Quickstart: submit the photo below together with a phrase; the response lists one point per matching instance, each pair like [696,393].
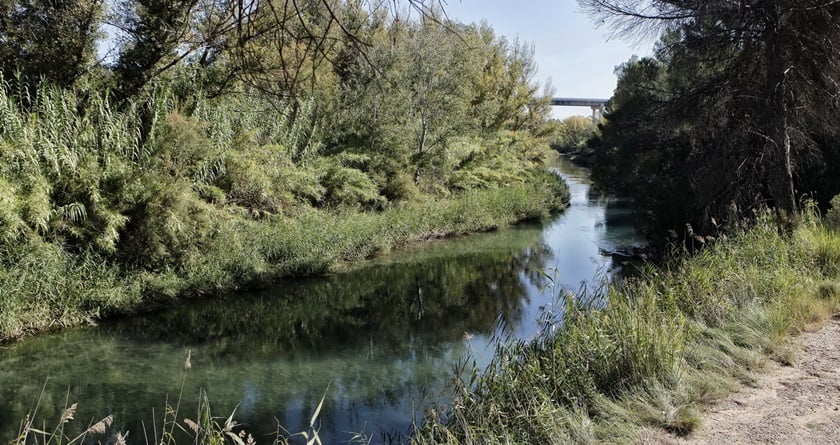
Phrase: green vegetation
[195,162]
[221,145]
[729,116]
[664,346]
[731,113]
[44,284]
[572,134]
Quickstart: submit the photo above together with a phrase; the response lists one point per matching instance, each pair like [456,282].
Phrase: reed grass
[109,211]
[663,347]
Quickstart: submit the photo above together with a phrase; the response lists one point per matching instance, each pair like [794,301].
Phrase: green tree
[572,134]
[152,30]
[53,40]
[747,85]
[504,87]
[423,88]
[408,98]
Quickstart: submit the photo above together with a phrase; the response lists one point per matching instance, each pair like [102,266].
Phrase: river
[379,340]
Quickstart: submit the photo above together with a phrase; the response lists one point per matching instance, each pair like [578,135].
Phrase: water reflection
[382,336]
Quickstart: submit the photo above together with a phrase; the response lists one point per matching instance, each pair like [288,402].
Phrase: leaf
[229,423]
[546,275]
[318,409]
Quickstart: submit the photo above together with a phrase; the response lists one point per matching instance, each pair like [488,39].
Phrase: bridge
[597,105]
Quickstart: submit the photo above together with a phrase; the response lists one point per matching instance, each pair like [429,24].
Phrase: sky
[578,59]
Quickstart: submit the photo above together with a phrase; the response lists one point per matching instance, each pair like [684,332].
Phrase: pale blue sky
[578,58]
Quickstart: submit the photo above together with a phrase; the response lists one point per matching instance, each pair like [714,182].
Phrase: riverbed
[380,341]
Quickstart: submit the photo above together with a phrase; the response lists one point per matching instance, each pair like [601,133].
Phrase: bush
[832,217]
[348,187]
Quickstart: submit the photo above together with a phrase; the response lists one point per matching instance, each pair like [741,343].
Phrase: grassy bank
[666,345]
[117,208]
[49,287]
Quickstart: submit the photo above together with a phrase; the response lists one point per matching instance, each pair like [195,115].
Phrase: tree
[649,146]
[424,84]
[571,134]
[51,40]
[283,48]
[760,74]
[504,87]
[152,29]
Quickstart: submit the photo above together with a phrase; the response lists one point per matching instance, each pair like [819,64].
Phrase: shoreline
[312,244]
[677,339]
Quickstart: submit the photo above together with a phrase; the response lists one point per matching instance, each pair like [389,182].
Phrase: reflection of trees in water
[437,299]
[619,211]
[379,337]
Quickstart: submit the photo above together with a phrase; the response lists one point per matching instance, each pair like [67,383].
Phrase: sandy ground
[797,404]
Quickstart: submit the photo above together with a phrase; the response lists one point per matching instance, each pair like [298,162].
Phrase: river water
[379,341]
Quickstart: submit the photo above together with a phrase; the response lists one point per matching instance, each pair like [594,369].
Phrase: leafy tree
[423,89]
[504,88]
[646,149]
[410,100]
[53,40]
[572,134]
[742,91]
[152,29]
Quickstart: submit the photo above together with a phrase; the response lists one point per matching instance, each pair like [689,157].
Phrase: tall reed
[665,344]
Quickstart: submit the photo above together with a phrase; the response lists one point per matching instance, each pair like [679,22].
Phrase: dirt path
[790,405]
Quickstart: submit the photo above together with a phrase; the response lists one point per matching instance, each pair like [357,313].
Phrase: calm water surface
[380,339]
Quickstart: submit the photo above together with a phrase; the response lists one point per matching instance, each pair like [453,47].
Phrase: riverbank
[664,347]
[788,404]
[117,208]
[50,288]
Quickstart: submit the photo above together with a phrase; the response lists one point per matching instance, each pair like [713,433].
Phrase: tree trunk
[780,174]
[421,149]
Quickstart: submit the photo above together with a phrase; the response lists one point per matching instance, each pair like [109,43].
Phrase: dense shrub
[151,203]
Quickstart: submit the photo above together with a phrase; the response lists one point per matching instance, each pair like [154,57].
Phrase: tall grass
[106,210]
[665,345]
[49,287]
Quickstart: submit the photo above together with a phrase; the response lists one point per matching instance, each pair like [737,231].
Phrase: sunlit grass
[107,210]
[666,345]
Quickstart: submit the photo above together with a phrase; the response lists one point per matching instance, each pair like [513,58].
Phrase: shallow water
[380,340]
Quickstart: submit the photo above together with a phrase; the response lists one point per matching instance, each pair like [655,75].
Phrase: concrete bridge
[597,105]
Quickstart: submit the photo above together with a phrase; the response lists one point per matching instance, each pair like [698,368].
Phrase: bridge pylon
[597,105]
